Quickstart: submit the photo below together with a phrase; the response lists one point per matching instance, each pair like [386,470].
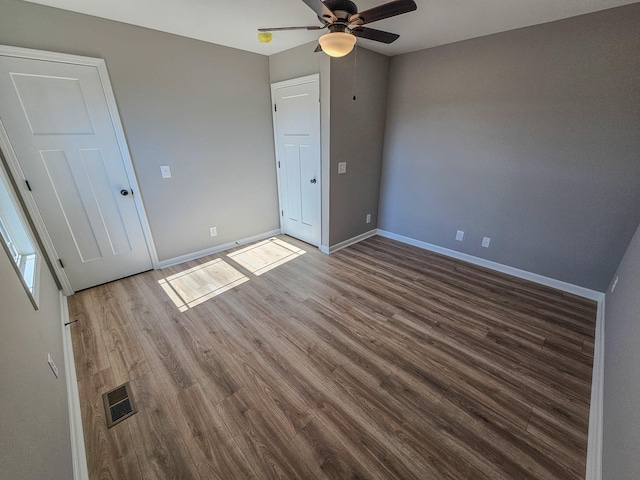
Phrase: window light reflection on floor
[263,256]
[196,285]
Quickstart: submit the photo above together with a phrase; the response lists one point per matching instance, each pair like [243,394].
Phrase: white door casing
[296,120]
[60,131]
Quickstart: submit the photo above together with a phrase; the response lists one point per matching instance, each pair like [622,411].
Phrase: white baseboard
[78,452]
[217,249]
[516,272]
[594,445]
[349,242]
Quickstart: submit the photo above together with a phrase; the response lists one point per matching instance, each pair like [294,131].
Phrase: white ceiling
[234,23]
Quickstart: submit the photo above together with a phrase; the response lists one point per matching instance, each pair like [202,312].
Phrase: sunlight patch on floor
[198,284]
[266,255]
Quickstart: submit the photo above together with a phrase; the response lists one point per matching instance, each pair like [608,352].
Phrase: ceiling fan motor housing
[342,9]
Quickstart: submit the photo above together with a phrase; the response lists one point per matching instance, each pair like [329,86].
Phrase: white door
[59,127]
[297,134]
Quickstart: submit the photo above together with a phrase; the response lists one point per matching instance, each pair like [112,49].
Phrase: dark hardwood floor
[380,361]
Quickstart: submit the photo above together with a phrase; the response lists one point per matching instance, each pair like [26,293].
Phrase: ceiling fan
[345,23]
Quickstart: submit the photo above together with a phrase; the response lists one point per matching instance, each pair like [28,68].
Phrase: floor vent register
[119,404]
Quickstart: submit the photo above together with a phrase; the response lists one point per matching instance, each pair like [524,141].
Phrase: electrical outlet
[368,218]
[485,242]
[460,235]
[52,364]
[166,171]
[342,167]
[213,231]
[615,283]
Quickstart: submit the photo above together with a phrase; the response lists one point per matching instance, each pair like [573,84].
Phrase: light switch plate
[342,167]
[166,171]
[485,242]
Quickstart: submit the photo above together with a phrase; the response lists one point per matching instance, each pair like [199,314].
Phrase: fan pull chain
[355,71]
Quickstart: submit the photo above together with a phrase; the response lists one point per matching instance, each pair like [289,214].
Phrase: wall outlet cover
[213,231]
[368,218]
[485,242]
[342,167]
[460,235]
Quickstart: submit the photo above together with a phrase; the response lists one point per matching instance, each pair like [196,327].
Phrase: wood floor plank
[447,444]
[86,337]
[160,448]
[166,361]
[568,445]
[269,393]
[214,375]
[374,449]
[377,414]
[123,348]
[208,438]
[265,447]
[327,458]
[381,361]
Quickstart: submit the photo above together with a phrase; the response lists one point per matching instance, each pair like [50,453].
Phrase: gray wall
[530,137]
[352,132]
[35,441]
[622,370]
[203,109]
[300,62]
[357,137]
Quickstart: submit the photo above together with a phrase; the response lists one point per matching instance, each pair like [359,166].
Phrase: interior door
[57,120]
[297,134]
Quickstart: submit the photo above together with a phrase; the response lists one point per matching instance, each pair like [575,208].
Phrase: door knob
[313,180]
[124,193]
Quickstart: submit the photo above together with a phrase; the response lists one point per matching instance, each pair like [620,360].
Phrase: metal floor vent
[119,404]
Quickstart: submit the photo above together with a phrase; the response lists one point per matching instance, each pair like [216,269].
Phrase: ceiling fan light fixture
[337,44]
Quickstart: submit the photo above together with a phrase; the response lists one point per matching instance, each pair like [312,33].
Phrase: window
[13,251]
[17,239]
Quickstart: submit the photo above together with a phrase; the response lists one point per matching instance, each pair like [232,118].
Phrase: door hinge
[278,164]
[28,186]
[60,262]
[282,212]
[275,107]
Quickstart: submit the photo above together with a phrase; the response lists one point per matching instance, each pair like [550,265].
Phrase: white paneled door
[60,129]
[297,134]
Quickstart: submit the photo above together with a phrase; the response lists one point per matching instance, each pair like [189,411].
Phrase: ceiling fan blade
[318,48]
[376,35]
[277,29]
[324,14]
[391,9]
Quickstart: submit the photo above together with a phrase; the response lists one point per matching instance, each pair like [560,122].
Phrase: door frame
[290,83]
[16,171]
